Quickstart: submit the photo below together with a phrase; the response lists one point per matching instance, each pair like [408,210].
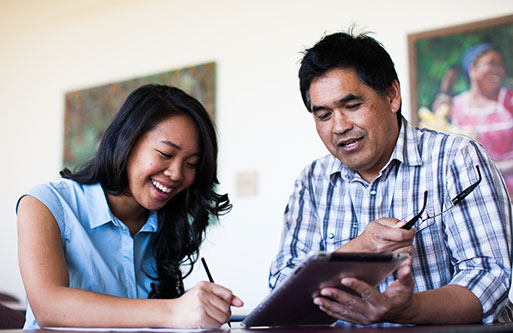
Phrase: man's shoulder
[433,144]
[427,135]
[320,171]
[323,166]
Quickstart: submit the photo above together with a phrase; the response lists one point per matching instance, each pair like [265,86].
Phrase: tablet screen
[291,303]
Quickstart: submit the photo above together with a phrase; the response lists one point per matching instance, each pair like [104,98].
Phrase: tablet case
[291,303]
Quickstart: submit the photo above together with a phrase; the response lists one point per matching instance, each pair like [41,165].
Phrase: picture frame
[461,81]
[432,52]
[89,111]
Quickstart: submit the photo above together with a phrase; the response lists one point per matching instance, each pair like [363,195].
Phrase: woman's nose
[174,172]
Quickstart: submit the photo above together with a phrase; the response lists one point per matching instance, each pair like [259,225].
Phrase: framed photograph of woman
[462,81]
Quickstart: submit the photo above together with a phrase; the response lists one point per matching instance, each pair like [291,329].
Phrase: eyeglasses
[458,198]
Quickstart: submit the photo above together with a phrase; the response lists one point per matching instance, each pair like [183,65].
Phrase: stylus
[210,277]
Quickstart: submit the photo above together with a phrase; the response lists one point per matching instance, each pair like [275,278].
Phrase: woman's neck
[128,211]
[478,94]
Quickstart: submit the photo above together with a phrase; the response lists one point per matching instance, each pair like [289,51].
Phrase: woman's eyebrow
[175,146]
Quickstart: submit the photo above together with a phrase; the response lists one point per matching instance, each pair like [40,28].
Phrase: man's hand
[366,305]
[383,235]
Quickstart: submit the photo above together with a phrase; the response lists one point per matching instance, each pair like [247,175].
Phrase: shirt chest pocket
[338,232]
[426,220]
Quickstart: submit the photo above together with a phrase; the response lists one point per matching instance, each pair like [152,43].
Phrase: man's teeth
[350,143]
[160,186]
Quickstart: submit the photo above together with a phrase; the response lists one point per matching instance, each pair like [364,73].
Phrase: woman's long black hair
[184,219]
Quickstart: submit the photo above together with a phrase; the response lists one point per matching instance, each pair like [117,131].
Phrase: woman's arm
[54,303]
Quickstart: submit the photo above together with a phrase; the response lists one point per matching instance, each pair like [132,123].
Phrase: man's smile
[350,144]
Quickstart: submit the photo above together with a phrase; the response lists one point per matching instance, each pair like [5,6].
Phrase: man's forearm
[451,304]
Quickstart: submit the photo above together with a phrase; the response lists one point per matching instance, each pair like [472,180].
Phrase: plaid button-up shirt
[468,245]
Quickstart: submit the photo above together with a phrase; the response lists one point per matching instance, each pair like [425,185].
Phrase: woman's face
[163,162]
[488,72]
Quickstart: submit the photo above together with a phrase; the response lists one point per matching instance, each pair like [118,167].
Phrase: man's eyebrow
[347,98]
[174,145]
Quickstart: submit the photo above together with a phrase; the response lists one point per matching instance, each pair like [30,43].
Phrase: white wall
[50,47]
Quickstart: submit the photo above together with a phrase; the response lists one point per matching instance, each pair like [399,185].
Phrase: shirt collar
[152,223]
[406,151]
[97,207]
[99,211]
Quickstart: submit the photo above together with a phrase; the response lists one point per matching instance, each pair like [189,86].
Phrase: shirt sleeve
[48,195]
[478,230]
[301,230]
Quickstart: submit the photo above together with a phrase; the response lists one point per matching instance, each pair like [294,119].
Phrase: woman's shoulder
[462,97]
[57,192]
[67,198]
[62,187]
[508,98]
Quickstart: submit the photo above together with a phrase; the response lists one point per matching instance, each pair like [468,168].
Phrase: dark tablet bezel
[290,304]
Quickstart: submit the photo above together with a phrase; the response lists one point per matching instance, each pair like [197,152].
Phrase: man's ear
[394,96]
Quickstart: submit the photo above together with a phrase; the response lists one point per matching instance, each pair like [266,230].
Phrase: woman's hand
[206,305]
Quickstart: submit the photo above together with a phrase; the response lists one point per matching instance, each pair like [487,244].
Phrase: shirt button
[373,192]
[331,235]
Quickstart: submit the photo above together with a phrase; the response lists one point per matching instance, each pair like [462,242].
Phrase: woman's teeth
[160,186]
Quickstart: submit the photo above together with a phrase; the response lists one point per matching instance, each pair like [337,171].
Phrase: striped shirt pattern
[468,245]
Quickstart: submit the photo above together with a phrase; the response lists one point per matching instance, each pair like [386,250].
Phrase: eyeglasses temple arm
[469,189]
[411,222]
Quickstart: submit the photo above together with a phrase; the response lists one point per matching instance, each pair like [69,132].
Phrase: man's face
[356,124]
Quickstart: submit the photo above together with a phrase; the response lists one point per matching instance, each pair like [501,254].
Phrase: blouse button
[373,192]
[331,235]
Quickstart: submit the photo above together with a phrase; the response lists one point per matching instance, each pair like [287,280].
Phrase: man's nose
[341,122]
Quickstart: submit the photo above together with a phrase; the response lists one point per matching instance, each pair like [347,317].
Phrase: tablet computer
[291,303]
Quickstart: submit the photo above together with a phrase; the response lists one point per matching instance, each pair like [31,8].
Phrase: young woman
[103,247]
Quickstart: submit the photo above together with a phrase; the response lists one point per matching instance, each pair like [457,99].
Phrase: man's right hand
[383,235]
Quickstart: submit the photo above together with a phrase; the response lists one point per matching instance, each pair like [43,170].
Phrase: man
[379,168]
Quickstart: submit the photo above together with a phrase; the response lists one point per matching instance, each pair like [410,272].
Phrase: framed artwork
[461,81]
[89,111]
